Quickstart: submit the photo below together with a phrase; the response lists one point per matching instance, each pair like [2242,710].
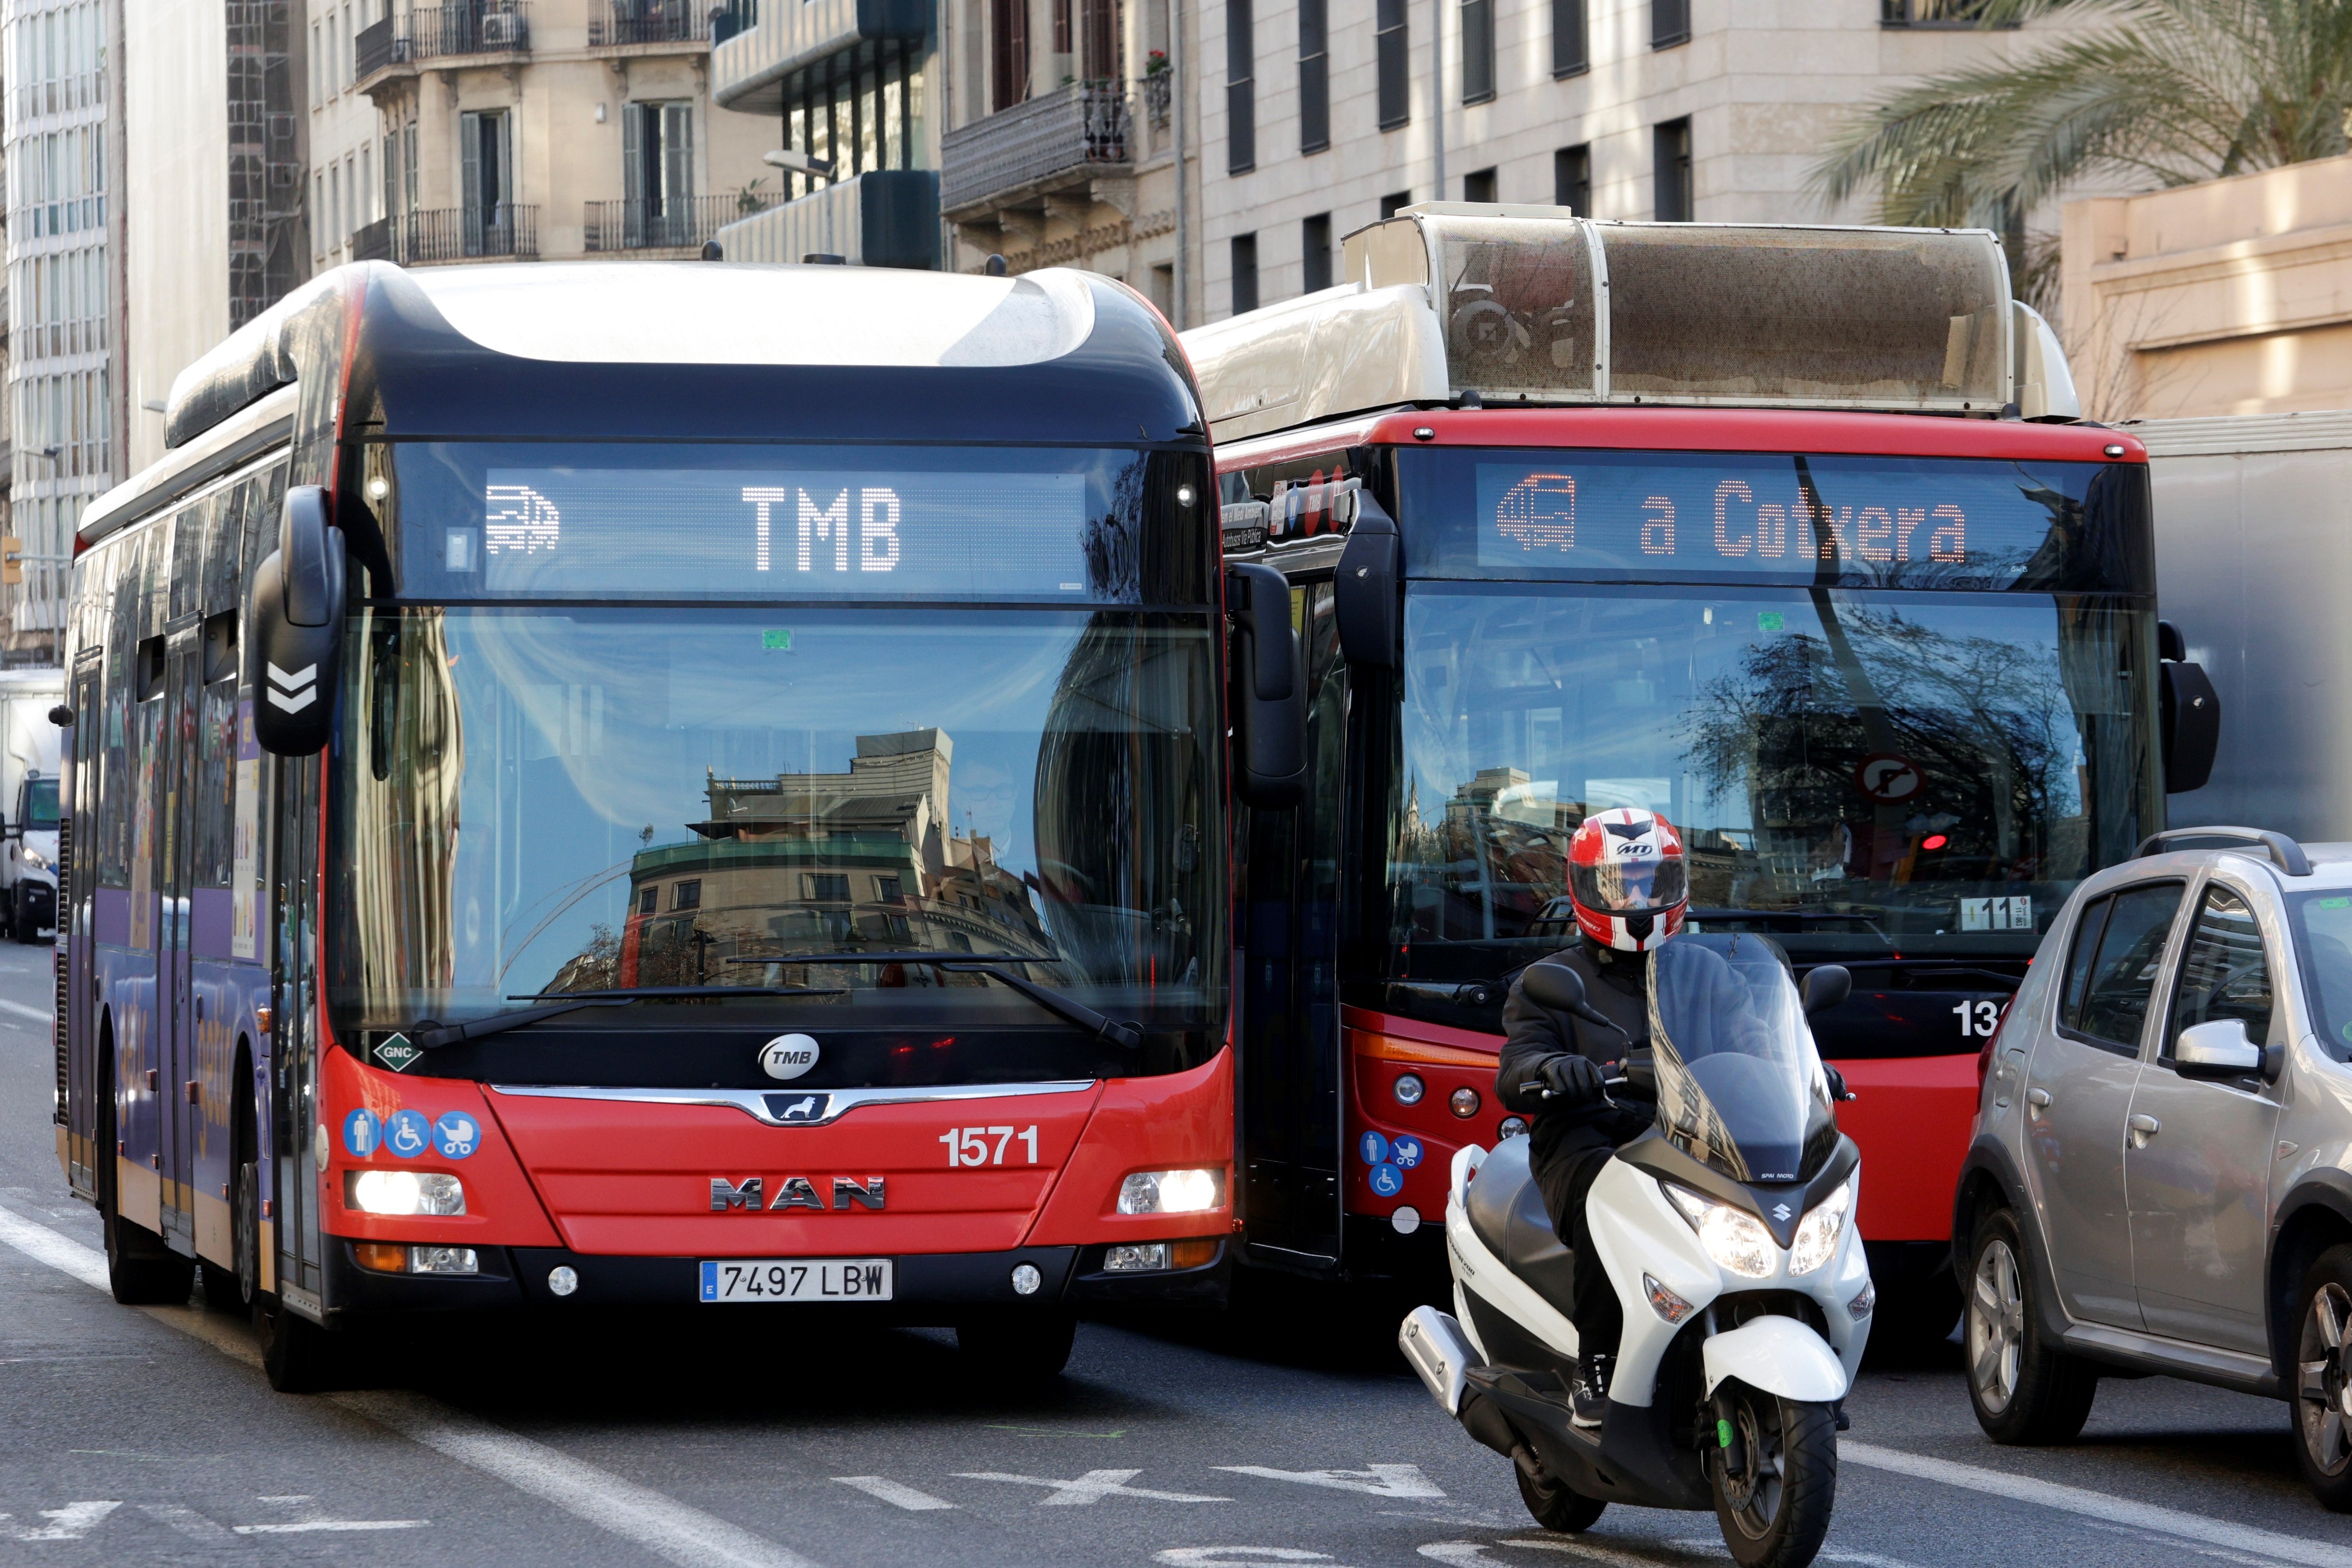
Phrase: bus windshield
[41,806]
[1860,773]
[537,799]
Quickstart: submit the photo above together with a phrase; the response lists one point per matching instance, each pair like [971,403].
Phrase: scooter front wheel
[1776,1482]
[1554,1506]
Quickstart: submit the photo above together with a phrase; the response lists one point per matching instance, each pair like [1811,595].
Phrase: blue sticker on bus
[362,1134]
[457,1135]
[407,1134]
[1373,1147]
[1406,1151]
[1387,1180]
[710,1281]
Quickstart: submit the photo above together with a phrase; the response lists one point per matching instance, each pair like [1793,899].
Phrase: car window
[2225,973]
[2131,951]
[2078,962]
[2322,940]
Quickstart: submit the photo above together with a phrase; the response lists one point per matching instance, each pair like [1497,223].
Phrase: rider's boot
[1589,1390]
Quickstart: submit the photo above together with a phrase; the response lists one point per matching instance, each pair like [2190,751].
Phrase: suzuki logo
[794,1192]
[292,690]
[1780,1212]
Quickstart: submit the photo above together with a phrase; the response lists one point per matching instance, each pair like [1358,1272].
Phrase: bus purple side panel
[110,917]
[126,1004]
[230,994]
[208,923]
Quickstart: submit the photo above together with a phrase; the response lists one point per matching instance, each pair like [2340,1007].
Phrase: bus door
[77,857]
[293,1038]
[1292,1108]
[183,1119]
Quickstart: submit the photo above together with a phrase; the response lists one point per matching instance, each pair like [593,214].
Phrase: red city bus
[668,784]
[1759,542]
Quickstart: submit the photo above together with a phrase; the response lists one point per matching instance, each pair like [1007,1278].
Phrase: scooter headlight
[1735,1238]
[1818,1232]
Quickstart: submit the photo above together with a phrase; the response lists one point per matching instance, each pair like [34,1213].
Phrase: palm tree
[2166,93]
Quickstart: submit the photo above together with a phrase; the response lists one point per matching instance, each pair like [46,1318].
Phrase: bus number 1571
[970,1145]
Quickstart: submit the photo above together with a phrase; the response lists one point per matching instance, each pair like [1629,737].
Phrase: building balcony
[887,218]
[462,28]
[647,24]
[1017,164]
[678,225]
[444,235]
[756,44]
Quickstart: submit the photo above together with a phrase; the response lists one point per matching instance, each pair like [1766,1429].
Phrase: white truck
[2253,517]
[29,743]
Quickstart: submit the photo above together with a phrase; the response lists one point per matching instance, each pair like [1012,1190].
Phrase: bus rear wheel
[140,1269]
[1015,1354]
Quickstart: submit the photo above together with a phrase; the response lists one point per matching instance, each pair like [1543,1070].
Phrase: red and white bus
[1788,535]
[657,783]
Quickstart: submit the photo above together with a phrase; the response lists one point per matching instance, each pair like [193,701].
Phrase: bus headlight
[1171,1192]
[1818,1232]
[1735,1238]
[405,1193]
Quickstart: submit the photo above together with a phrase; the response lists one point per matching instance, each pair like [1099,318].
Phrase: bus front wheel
[1016,1352]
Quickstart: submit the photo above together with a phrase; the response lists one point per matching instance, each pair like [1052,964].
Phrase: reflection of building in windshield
[806,863]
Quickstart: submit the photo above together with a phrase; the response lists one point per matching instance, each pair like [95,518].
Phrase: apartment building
[1673,110]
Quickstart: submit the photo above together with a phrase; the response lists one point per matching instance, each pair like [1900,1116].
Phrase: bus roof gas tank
[1451,302]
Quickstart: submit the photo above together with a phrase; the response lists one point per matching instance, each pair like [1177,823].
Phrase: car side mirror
[2215,1049]
[295,621]
[2189,712]
[1824,987]
[1366,598]
[1269,689]
[1559,988]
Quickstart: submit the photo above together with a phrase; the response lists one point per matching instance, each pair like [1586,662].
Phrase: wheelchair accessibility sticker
[407,1133]
[1387,1180]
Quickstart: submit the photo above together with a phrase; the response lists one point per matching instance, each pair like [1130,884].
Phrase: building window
[825,887]
[1479,185]
[1390,42]
[1934,14]
[1572,178]
[887,889]
[686,896]
[1671,148]
[1244,273]
[1315,251]
[487,148]
[1669,23]
[657,173]
[1572,51]
[1008,53]
[648,898]
[897,927]
[1394,202]
[1478,51]
[1163,288]
[1240,90]
[1314,76]
[1098,40]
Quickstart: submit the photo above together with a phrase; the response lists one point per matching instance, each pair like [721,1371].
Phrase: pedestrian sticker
[1996,914]
[407,1133]
[1406,1151]
[1387,1180]
[457,1135]
[362,1132]
[1888,779]
[1373,1147]
[396,1053]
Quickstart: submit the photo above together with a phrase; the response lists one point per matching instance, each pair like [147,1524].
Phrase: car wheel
[2025,1389]
[2323,1403]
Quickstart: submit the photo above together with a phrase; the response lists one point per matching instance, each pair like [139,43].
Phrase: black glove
[1837,1084]
[1573,1080]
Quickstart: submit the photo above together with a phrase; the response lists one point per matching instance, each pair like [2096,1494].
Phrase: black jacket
[1617,985]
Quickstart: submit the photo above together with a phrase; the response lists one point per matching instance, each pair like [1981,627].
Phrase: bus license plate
[797,1279]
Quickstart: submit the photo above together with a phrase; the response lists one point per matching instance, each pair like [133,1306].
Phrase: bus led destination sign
[1884,522]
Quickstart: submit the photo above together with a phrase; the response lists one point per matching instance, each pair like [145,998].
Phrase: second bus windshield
[1867,768]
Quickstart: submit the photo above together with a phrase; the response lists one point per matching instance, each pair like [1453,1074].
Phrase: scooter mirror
[1561,989]
[1826,987]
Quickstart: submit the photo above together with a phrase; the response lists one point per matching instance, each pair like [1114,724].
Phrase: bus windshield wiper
[563,1002]
[1127,1035]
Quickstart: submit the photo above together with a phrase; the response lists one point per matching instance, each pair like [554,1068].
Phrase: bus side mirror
[1825,986]
[295,622]
[1364,592]
[1270,695]
[2191,712]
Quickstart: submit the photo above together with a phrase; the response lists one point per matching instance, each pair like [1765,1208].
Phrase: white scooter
[1727,1232]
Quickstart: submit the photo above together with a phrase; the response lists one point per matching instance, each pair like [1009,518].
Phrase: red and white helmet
[1627,878]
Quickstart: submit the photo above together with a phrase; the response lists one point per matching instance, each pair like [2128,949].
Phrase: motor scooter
[1727,1232]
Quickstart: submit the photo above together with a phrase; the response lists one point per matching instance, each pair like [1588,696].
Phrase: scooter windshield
[1740,1087]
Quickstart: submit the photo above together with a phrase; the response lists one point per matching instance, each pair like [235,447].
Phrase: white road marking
[1087,1490]
[188,1522]
[70,1523]
[664,1526]
[2098,1505]
[1457,1554]
[893,1494]
[40,1015]
[308,1525]
[1859,1559]
[1380,1480]
[1236,1556]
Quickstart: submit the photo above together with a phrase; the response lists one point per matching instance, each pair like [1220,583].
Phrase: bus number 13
[970,1145]
[1978,1019]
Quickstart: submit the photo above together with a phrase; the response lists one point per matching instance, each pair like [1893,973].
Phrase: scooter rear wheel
[1554,1506]
[1776,1514]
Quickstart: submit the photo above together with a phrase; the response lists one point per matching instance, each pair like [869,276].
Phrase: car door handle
[2038,1098]
[2142,1128]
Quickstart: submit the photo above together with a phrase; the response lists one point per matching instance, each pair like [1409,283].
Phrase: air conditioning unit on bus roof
[1532,304]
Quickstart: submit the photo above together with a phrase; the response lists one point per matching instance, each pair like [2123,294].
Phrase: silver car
[2160,1177]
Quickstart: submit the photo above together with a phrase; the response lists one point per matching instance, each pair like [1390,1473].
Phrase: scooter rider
[1629,884]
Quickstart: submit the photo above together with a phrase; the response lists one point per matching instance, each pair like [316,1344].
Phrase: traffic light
[12,559]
